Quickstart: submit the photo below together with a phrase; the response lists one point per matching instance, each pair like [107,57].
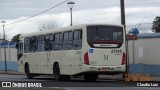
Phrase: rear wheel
[28,74]
[66,77]
[56,69]
[90,77]
[124,76]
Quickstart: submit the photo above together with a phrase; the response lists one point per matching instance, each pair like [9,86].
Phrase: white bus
[81,50]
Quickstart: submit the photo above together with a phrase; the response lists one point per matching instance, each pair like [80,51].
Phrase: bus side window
[26,45]
[49,42]
[77,39]
[40,43]
[67,40]
[57,41]
[20,50]
[33,44]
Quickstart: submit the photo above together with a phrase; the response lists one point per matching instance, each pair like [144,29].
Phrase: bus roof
[56,30]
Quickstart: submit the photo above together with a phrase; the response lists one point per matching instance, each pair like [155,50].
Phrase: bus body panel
[102,57]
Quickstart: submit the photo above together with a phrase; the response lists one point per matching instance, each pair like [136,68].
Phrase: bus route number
[116,51]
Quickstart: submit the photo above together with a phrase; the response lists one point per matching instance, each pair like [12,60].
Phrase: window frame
[41,43]
[50,42]
[77,42]
[33,45]
[59,41]
[68,43]
[26,44]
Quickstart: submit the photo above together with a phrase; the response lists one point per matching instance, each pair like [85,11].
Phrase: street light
[70,4]
[4,41]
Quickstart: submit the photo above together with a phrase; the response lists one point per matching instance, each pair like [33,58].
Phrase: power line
[38,13]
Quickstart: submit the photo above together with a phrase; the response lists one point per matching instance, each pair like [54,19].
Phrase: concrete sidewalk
[105,77]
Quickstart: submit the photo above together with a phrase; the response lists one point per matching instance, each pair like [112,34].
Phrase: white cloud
[103,15]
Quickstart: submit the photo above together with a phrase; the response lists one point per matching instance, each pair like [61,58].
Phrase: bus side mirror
[17,45]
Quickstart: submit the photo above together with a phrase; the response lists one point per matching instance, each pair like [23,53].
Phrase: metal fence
[142,28]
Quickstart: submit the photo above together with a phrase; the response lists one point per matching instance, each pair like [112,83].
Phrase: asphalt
[49,83]
[117,77]
[32,89]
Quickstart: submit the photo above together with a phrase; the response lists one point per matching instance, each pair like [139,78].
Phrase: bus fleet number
[116,51]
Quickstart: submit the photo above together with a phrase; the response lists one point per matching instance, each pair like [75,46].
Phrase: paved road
[77,83]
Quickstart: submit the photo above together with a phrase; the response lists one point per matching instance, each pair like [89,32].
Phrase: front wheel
[28,74]
[90,77]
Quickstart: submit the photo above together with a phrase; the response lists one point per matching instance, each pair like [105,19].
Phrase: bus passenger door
[20,57]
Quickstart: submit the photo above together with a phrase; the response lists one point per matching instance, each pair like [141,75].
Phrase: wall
[144,55]
[11,57]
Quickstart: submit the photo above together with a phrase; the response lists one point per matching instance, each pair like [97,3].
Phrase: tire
[57,74]
[66,78]
[123,76]
[28,74]
[90,77]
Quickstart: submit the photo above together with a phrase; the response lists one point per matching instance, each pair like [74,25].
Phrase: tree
[48,26]
[16,38]
[156,25]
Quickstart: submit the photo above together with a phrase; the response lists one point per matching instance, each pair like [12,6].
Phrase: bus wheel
[28,74]
[57,73]
[90,77]
[123,76]
[66,77]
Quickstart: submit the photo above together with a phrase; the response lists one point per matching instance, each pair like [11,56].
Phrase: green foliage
[16,38]
[156,24]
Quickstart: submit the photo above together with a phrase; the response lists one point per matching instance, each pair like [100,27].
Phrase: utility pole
[4,41]
[123,13]
[123,22]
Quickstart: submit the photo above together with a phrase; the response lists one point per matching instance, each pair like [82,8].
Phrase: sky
[84,12]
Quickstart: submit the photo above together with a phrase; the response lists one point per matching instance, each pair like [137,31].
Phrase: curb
[11,73]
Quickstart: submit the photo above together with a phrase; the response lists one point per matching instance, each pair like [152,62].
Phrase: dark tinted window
[40,43]
[57,41]
[49,42]
[33,44]
[105,35]
[20,49]
[77,39]
[67,40]
[65,36]
[70,38]
[26,45]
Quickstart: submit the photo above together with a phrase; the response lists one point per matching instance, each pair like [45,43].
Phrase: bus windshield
[104,36]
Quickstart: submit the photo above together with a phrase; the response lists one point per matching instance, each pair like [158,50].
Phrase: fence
[142,28]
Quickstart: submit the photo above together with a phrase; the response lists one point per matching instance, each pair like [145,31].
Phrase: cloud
[20,8]
[103,15]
